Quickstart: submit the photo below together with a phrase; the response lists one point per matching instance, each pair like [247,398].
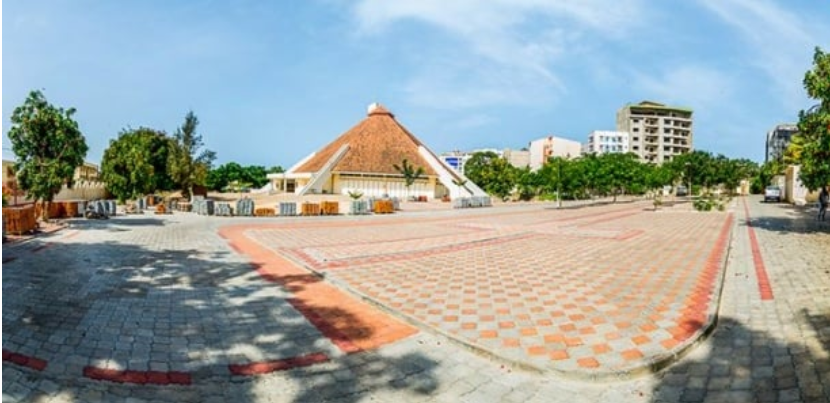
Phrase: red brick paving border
[138,377]
[764,286]
[34,363]
[264,367]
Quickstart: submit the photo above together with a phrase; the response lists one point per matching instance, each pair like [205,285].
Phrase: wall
[84,190]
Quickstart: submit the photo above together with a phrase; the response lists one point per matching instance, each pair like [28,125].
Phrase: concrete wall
[84,190]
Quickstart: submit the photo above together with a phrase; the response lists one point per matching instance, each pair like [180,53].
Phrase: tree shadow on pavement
[796,219]
[743,365]
[192,307]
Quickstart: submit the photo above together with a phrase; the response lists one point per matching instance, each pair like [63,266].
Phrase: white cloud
[695,86]
[512,48]
[780,41]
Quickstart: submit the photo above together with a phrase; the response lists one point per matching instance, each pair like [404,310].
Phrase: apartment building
[778,139]
[517,158]
[604,142]
[657,132]
[543,149]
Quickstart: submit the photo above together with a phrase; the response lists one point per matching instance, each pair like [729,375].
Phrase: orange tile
[557,355]
[528,331]
[601,348]
[488,334]
[632,354]
[537,350]
[641,339]
[554,338]
[588,362]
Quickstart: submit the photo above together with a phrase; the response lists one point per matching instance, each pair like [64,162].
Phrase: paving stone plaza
[612,302]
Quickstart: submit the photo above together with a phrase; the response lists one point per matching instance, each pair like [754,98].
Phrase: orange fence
[19,220]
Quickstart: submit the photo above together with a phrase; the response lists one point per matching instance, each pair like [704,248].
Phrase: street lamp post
[559,182]
[689,171]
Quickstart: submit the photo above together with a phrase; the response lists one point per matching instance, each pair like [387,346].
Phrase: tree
[48,145]
[136,163]
[188,164]
[490,172]
[277,169]
[527,183]
[409,172]
[618,172]
[814,125]
[234,174]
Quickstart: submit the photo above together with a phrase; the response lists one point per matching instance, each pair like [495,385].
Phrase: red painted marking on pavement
[408,255]
[138,377]
[764,286]
[694,314]
[264,367]
[24,360]
[611,218]
[324,325]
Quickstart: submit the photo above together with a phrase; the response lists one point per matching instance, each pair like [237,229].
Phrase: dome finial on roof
[378,109]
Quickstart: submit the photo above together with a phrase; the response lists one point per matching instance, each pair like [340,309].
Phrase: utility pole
[559,182]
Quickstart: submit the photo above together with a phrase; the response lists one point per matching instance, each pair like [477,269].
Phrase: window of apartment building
[636,148]
[635,139]
[636,129]
[666,130]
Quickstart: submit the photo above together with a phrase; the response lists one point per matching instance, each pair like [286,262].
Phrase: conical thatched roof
[375,145]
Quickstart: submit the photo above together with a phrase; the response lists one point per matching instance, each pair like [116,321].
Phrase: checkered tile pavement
[598,291]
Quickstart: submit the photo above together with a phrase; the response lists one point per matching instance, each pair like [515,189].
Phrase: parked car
[772,193]
[682,191]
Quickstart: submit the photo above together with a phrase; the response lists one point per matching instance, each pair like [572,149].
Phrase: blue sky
[274,81]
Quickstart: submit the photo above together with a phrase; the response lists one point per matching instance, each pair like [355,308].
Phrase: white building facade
[543,149]
[605,142]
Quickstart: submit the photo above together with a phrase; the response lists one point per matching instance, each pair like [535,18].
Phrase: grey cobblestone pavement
[169,294]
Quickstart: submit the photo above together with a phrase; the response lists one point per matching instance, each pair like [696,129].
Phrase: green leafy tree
[188,163]
[656,176]
[619,172]
[527,183]
[410,173]
[48,145]
[277,169]
[814,125]
[136,163]
[220,177]
[490,172]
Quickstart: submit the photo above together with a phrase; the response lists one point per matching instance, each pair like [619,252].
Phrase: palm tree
[409,172]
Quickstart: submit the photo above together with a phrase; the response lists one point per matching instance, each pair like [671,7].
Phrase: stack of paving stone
[223,209]
[110,207]
[245,207]
[288,208]
[370,204]
[359,207]
[474,201]
[396,203]
[203,206]
[310,209]
[330,208]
